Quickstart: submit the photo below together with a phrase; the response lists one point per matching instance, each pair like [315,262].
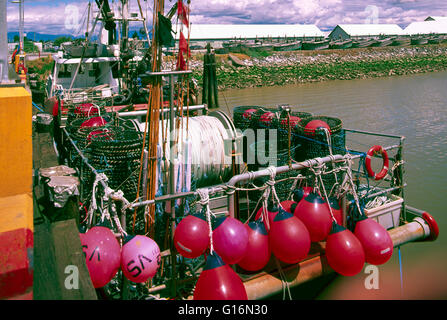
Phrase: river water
[412,106]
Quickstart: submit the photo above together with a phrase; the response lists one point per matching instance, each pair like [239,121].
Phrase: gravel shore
[281,68]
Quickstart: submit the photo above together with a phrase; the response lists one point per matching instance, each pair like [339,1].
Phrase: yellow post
[16,202]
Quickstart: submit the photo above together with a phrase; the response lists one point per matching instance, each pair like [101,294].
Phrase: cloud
[48,16]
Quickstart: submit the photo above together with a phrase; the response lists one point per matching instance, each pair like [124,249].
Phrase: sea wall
[284,68]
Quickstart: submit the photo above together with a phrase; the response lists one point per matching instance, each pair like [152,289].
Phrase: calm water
[412,106]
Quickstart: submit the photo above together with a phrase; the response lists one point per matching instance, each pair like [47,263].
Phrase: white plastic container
[387,215]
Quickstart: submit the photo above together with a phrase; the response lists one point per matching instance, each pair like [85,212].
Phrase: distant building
[436,18]
[355,31]
[218,33]
[426,28]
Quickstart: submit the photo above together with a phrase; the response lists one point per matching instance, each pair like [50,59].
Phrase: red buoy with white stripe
[376,241]
[191,236]
[371,152]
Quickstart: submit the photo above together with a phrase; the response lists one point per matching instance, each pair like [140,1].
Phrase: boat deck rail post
[171,186]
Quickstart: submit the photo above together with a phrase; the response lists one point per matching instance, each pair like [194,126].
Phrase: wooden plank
[68,252]
[45,286]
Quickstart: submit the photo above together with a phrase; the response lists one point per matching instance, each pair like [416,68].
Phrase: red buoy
[289,238]
[102,255]
[218,281]
[140,258]
[313,211]
[191,236]
[104,134]
[336,210]
[272,211]
[376,241]
[258,250]
[289,205]
[267,117]
[301,193]
[294,120]
[94,122]
[314,125]
[230,239]
[86,109]
[344,252]
[248,113]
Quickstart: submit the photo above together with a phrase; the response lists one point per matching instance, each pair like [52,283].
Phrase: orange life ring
[373,151]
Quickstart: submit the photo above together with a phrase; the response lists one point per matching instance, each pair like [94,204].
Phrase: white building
[426,28]
[355,31]
[436,18]
[202,33]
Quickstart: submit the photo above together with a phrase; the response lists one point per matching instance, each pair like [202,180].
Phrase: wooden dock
[58,256]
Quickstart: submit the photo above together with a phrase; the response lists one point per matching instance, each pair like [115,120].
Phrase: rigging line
[87,40]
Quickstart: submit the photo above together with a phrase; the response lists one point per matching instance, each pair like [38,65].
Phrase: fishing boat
[434,40]
[258,47]
[288,46]
[383,42]
[341,44]
[315,45]
[401,42]
[418,40]
[163,203]
[363,43]
[236,61]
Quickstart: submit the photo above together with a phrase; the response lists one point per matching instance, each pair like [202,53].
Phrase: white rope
[204,201]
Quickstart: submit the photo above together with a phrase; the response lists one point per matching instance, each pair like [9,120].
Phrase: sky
[67,16]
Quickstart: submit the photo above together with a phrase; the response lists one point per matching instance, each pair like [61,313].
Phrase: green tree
[59,40]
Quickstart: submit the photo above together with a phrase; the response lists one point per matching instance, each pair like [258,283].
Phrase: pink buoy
[248,113]
[288,237]
[314,125]
[191,236]
[313,211]
[230,239]
[258,250]
[102,255]
[140,258]
[218,281]
[94,122]
[344,252]
[375,240]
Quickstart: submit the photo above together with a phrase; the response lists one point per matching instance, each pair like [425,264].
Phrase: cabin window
[64,71]
[94,71]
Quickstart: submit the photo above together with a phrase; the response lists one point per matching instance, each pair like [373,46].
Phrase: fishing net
[275,157]
[283,123]
[316,144]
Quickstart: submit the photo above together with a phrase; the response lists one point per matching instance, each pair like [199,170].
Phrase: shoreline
[288,68]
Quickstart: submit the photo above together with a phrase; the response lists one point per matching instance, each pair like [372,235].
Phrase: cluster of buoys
[139,257]
[284,229]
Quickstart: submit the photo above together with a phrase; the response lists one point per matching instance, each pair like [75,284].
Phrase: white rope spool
[206,147]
